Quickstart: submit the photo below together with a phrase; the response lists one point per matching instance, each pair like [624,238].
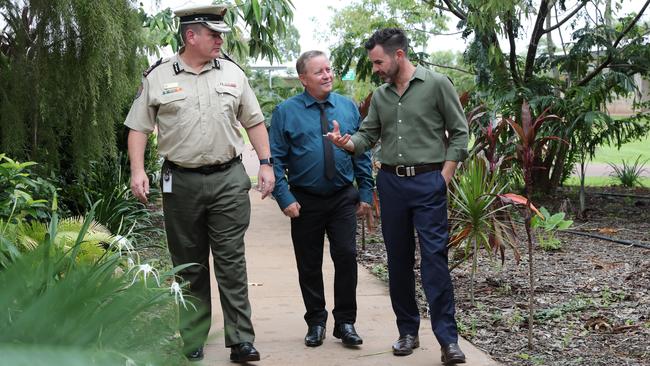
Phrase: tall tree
[354,24]
[68,68]
[260,29]
[597,65]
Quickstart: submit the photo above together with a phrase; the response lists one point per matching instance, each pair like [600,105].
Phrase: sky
[311,18]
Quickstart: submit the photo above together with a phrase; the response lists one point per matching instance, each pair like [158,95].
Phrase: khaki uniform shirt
[198,115]
[424,125]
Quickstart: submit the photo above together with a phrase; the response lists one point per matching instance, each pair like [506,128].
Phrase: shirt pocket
[171,105]
[228,101]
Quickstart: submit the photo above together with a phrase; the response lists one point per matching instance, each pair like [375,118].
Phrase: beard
[391,74]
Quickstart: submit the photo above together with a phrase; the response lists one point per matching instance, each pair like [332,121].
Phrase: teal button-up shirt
[424,125]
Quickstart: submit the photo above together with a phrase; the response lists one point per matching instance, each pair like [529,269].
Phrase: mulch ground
[592,296]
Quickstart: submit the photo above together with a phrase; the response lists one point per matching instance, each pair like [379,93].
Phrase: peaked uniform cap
[211,16]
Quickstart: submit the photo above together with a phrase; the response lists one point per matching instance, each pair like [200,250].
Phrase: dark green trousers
[203,213]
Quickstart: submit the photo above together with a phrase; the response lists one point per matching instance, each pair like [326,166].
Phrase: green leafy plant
[107,184]
[477,218]
[547,226]
[628,173]
[61,310]
[20,191]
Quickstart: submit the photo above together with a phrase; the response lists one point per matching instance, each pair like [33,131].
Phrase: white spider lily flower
[130,263]
[175,289]
[122,243]
[146,270]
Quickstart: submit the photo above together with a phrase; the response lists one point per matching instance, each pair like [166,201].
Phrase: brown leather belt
[409,171]
[205,169]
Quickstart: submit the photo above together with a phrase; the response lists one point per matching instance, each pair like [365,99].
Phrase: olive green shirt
[198,116]
[425,125]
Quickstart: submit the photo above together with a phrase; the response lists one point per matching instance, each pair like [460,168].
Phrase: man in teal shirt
[423,132]
[315,189]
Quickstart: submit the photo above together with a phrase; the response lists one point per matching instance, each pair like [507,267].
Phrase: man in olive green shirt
[197,101]
[423,132]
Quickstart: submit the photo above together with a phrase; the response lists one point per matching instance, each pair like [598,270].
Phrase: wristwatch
[268,161]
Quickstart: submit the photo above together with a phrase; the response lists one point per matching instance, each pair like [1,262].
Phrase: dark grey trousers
[203,213]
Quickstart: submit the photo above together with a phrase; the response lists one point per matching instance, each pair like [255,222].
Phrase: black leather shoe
[405,345]
[451,354]
[346,333]
[196,355]
[244,352]
[315,336]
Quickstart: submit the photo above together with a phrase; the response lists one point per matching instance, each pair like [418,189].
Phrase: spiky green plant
[59,310]
[477,217]
[629,174]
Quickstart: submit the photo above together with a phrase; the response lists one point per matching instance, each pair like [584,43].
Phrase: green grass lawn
[601,181]
[628,152]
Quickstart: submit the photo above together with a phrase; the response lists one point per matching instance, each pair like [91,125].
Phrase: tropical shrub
[107,183]
[22,196]
[59,310]
[477,217]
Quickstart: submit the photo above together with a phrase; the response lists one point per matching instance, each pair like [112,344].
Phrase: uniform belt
[409,171]
[206,169]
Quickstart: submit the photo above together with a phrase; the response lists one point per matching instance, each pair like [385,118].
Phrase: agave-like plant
[477,217]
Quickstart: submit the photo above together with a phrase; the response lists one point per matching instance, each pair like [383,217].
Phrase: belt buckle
[397,171]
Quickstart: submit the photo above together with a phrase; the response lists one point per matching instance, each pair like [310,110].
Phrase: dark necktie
[328,149]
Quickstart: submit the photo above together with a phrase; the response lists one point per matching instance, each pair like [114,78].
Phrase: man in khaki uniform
[198,101]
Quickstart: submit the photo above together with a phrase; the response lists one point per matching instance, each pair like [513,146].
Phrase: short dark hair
[196,27]
[301,64]
[390,39]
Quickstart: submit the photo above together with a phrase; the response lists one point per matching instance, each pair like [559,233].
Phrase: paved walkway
[278,308]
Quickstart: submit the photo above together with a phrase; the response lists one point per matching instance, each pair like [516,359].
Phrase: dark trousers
[336,217]
[210,213]
[418,202]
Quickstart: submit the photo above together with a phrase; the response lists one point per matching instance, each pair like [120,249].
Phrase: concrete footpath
[278,308]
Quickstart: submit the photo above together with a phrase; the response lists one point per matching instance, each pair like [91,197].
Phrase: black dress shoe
[196,355]
[451,354]
[346,333]
[405,345]
[315,336]
[244,352]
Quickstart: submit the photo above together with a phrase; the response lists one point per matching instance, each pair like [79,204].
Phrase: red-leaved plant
[529,144]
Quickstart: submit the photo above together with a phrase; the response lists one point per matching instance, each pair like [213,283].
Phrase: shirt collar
[420,73]
[183,67]
[309,100]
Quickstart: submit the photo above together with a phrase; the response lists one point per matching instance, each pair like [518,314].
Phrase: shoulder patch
[156,64]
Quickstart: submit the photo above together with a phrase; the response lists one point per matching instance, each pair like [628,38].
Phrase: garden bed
[592,295]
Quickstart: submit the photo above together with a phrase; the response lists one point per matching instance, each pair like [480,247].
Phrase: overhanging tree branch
[571,14]
[445,66]
[451,8]
[618,40]
[455,9]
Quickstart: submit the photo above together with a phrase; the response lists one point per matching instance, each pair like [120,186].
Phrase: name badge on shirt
[167,182]
[171,88]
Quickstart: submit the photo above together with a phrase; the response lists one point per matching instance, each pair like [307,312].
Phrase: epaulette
[150,69]
[226,57]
